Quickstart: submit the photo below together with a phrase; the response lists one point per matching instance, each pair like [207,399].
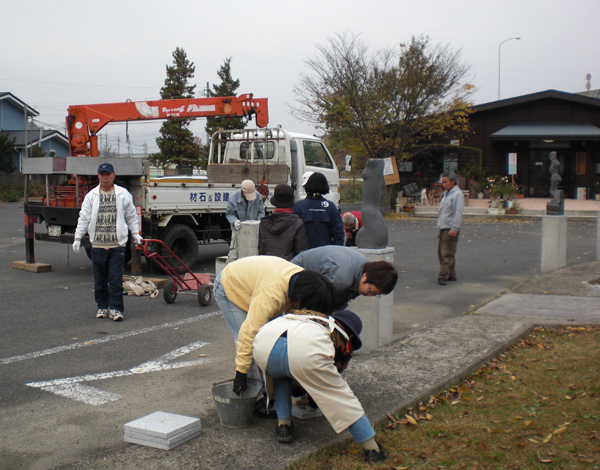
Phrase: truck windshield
[315,154]
[260,152]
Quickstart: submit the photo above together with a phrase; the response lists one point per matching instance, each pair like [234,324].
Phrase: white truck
[182,211]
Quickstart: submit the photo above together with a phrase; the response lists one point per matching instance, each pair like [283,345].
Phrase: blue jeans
[234,317]
[278,368]
[108,277]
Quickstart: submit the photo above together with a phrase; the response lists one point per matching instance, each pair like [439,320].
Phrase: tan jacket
[310,355]
[258,285]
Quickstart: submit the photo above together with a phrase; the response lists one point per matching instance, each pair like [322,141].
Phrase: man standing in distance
[449,220]
[107,213]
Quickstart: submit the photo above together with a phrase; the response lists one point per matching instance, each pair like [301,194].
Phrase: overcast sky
[60,53]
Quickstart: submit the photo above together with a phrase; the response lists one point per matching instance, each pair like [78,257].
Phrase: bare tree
[393,101]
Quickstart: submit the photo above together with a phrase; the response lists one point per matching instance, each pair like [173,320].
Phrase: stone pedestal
[554,242]
[248,239]
[247,243]
[376,313]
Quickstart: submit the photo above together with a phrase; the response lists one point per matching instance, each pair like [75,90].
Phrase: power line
[80,84]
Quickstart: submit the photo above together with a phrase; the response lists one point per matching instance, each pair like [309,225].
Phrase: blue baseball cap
[352,321]
[106,167]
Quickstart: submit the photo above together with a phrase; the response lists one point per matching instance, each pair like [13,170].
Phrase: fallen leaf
[527,423]
[480,398]
[545,461]
[484,447]
[533,440]
[201,355]
[411,420]
[548,439]
[560,430]
[428,417]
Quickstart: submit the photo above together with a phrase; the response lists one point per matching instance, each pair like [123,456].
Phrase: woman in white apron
[314,349]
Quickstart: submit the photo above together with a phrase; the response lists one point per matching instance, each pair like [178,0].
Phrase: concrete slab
[165,444]
[162,425]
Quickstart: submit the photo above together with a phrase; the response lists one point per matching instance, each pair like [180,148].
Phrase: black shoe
[376,457]
[452,279]
[442,281]
[260,408]
[285,433]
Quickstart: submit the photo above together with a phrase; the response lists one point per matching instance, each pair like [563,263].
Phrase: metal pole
[499,57]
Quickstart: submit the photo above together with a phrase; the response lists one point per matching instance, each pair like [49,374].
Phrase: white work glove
[237,225]
[137,239]
[76,246]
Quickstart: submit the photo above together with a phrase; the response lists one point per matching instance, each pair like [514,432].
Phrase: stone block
[554,242]
[376,313]
[162,430]
[248,239]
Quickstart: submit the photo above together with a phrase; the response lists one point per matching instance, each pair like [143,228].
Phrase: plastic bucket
[235,411]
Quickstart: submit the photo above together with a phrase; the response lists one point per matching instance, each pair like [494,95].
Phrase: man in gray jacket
[244,204]
[107,214]
[350,272]
[449,220]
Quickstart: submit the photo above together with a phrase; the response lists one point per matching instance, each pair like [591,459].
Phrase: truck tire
[183,242]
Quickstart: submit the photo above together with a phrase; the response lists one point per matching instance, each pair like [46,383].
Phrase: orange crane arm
[85,121]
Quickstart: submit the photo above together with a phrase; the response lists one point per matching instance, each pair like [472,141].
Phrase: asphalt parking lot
[70,381]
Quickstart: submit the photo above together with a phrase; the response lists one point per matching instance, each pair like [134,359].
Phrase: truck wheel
[204,295]
[169,293]
[183,242]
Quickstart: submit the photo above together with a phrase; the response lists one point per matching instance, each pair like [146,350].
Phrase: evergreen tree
[227,87]
[7,150]
[176,143]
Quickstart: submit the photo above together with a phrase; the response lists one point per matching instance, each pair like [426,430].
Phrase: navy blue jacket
[322,221]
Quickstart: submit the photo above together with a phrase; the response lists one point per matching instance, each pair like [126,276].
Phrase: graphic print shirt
[106,223]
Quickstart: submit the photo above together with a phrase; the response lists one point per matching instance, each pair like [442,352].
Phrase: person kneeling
[314,349]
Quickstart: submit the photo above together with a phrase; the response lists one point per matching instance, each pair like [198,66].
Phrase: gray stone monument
[374,233]
[557,205]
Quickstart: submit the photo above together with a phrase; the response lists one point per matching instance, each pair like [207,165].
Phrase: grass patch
[536,406]
[351,191]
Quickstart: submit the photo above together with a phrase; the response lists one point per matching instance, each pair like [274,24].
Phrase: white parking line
[68,347]
[71,387]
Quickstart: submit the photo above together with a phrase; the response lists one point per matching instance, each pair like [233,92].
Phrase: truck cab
[271,157]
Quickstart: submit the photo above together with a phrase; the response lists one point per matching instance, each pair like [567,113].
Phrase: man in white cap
[244,204]
[107,214]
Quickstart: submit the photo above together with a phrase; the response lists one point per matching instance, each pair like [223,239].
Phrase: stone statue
[557,205]
[555,178]
[374,233]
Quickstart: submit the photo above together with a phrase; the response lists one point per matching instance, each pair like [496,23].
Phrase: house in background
[14,114]
[529,127]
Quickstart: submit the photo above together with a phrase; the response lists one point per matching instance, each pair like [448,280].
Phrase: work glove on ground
[237,224]
[76,246]
[240,383]
[137,238]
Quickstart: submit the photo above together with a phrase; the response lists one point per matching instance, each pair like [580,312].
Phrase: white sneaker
[115,315]
[102,313]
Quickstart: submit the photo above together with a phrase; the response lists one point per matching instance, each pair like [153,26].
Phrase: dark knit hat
[283,197]
[353,323]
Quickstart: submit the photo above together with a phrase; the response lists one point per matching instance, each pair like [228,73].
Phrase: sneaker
[102,313]
[285,433]
[376,457]
[115,315]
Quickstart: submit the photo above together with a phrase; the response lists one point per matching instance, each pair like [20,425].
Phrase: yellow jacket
[258,285]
